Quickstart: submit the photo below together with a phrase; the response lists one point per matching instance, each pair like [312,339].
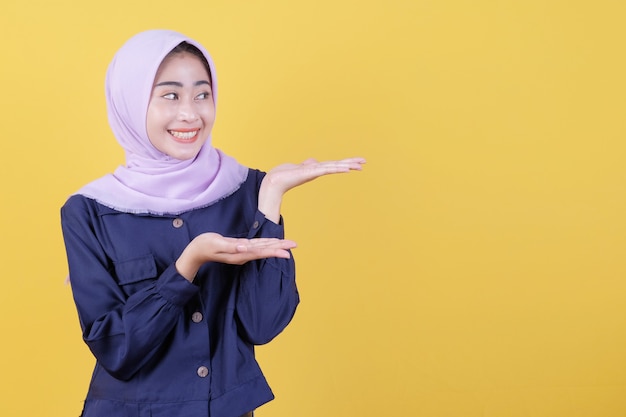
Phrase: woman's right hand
[213,247]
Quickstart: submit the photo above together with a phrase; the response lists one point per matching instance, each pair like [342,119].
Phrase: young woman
[177,260]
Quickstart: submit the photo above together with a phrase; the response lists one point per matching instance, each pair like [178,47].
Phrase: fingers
[354,163]
[336,167]
[357,160]
[342,164]
[247,245]
[245,250]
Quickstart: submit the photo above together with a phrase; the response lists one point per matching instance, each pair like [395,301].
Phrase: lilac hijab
[152,182]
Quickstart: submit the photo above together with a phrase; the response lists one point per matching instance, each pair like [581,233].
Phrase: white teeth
[183,135]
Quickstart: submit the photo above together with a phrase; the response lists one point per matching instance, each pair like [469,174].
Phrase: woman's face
[181,111]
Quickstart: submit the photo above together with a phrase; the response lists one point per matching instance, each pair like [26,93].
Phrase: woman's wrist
[186,266]
[270,200]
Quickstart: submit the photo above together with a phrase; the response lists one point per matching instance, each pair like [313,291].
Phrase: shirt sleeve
[267,296]
[123,332]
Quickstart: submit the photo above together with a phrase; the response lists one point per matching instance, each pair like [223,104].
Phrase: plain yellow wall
[475,268]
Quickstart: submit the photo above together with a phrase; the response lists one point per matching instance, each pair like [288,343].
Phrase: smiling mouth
[185,136]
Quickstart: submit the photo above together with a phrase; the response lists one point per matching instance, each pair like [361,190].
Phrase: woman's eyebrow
[179,84]
[174,83]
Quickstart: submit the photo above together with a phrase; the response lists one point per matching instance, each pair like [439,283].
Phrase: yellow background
[475,268]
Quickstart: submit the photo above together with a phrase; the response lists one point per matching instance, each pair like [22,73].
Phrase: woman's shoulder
[80,205]
[244,197]
[252,183]
[255,175]
[76,203]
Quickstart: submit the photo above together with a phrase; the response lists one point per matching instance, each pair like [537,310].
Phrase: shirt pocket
[135,274]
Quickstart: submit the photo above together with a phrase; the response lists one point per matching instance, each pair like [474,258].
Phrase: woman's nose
[187,113]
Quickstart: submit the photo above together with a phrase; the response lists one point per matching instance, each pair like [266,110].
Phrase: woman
[177,260]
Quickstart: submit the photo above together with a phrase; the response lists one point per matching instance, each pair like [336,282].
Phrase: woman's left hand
[287,176]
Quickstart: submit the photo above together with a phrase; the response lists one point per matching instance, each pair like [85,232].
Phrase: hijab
[151,181]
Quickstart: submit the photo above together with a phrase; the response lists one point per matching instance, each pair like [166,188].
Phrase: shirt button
[255,225]
[196,317]
[203,372]
[178,222]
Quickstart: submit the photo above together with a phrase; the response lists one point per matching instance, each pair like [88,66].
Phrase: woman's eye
[170,96]
[203,96]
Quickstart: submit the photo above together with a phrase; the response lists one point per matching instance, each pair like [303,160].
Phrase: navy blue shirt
[166,347]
